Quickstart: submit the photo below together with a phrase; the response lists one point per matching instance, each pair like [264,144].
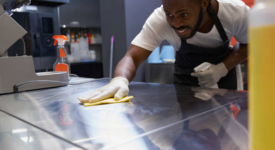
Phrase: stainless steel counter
[17,135]
[159,117]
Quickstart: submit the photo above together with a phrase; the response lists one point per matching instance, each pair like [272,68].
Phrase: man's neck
[207,22]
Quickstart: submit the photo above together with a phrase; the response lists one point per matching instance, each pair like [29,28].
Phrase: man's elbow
[241,49]
[244,50]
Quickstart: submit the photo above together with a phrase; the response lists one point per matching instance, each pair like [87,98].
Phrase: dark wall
[112,14]
[137,12]
[86,12]
[124,19]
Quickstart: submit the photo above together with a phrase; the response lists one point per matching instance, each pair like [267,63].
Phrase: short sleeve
[241,26]
[153,31]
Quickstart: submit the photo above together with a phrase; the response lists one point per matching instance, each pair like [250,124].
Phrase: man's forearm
[126,68]
[237,56]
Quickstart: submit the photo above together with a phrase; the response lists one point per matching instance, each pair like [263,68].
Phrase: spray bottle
[62,63]
[203,67]
[262,75]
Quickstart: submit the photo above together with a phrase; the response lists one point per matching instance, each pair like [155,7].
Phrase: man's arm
[237,56]
[240,52]
[149,38]
[127,67]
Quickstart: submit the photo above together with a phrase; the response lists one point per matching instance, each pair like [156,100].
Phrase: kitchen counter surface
[159,117]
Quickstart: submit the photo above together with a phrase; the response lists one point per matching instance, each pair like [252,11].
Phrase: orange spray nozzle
[55,42]
[61,39]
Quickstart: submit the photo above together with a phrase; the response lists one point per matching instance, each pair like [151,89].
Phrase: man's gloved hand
[212,75]
[118,88]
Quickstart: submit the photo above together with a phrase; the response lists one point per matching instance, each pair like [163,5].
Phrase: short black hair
[197,1]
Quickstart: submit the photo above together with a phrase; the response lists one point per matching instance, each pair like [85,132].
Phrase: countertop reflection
[159,117]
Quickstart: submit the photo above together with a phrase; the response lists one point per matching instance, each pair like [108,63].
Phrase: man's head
[185,16]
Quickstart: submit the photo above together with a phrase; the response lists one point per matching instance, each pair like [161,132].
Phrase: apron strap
[218,24]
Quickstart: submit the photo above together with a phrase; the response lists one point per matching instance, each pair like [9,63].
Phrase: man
[201,31]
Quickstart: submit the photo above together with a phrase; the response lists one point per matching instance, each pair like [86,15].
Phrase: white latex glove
[212,75]
[117,88]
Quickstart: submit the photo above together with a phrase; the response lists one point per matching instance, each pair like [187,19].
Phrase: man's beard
[196,28]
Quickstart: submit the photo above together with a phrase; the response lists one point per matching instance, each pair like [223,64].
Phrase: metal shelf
[79,27]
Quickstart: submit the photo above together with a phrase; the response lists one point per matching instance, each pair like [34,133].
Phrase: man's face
[185,16]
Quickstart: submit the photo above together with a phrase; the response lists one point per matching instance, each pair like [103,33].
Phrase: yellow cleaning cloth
[109,101]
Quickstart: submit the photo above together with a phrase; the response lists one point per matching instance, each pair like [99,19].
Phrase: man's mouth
[181,31]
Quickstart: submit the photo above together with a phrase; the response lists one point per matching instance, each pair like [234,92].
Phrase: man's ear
[205,4]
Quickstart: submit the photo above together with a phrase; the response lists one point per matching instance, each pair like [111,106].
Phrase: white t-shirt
[232,14]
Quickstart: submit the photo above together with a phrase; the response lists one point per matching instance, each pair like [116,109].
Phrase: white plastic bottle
[76,53]
[262,75]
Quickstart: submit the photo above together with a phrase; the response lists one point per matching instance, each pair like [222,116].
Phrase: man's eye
[168,15]
[184,15]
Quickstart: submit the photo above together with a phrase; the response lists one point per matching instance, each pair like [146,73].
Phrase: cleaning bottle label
[62,67]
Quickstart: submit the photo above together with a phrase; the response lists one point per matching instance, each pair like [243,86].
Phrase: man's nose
[177,23]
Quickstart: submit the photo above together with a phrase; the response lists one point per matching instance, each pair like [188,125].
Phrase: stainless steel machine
[18,73]
[38,41]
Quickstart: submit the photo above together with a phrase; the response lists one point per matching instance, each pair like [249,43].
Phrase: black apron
[190,56]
